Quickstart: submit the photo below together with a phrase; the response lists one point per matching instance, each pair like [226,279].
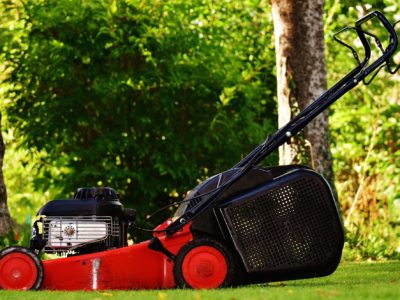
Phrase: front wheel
[20,269]
[204,264]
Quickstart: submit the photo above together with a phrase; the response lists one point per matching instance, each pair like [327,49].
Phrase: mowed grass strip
[376,280]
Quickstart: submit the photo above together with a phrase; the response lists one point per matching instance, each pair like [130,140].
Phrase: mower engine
[94,220]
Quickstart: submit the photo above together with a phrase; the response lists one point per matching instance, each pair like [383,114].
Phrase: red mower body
[132,267]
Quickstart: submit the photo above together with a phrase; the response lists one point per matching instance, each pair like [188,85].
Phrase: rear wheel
[20,269]
[204,264]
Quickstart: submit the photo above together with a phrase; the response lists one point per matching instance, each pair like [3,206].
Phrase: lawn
[351,281]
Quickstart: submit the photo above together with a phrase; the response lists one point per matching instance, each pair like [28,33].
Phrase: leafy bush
[144,96]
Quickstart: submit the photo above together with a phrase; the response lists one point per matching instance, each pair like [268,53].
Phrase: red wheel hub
[204,267]
[18,271]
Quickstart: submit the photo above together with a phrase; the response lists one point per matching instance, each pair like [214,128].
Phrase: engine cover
[94,220]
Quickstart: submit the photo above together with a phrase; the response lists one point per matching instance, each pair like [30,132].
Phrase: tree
[5,219]
[144,96]
[301,77]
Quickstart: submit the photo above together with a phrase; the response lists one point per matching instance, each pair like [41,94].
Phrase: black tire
[36,260]
[225,251]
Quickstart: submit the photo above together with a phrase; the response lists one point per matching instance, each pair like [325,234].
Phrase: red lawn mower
[246,225]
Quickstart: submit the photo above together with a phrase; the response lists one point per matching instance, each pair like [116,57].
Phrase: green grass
[351,281]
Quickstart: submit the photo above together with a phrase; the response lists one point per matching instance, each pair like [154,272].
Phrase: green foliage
[365,145]
[7,240]
[24,172]
[143,96]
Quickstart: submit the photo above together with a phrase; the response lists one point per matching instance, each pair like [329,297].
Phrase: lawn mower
[249,224]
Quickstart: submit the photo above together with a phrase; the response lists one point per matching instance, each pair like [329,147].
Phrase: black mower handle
[382,19]
[284,134]
[367,48]
[391,48]
[393,40]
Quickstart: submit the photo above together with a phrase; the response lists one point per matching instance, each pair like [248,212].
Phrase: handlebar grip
[384,21]
[367,47]
[367,17]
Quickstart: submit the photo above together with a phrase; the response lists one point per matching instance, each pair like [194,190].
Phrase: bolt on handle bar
[284,134]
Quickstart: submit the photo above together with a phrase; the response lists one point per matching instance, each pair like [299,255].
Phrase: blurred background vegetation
[150,97]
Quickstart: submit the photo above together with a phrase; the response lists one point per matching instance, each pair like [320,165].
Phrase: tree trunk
[301,75]
[5,219]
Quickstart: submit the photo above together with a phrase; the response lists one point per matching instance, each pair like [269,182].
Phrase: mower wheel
[20,269]
[204,264]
